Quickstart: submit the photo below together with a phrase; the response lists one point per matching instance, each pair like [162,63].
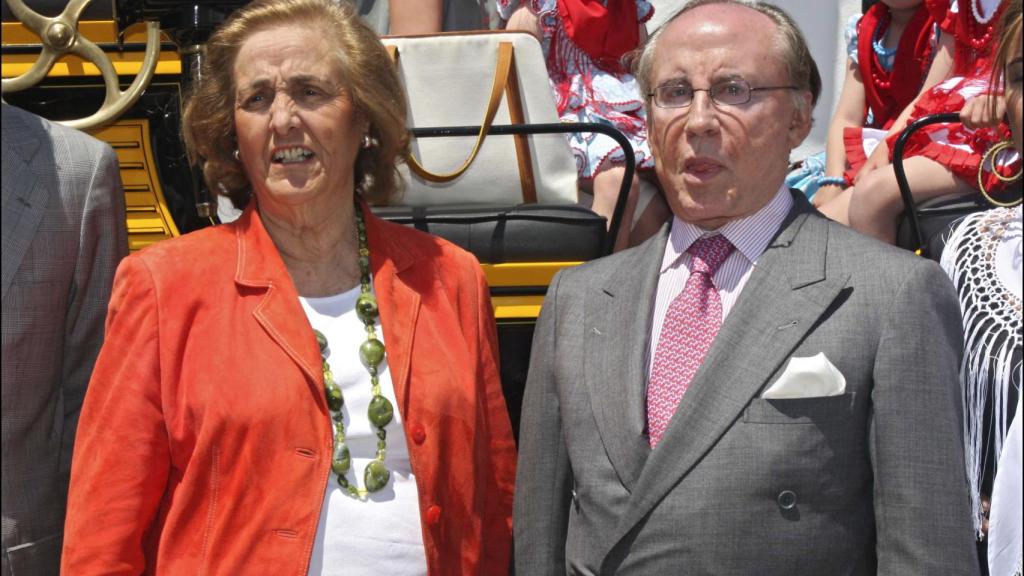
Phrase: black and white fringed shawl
[983,258]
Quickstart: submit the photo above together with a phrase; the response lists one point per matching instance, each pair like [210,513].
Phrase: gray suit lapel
[618,321]
[785,296]
[25,191]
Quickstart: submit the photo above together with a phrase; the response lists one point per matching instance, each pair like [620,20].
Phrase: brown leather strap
[515,113]
[501,78]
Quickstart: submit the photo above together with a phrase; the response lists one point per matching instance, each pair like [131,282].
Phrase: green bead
[380,411]
[372,352]
[376,476]
[342,460]
[334,398]
[366,308]
[321,340]
[364,262]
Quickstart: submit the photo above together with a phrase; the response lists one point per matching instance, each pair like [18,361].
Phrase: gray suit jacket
[868,482]
[63,235]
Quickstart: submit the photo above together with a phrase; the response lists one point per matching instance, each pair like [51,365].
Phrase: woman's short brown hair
[208,125]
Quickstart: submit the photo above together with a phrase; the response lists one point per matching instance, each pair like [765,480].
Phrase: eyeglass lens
[728,93]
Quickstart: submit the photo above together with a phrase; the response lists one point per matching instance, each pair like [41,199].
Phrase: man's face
[716,162]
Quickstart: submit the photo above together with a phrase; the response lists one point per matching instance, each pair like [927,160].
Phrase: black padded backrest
[520,233]
[938,217]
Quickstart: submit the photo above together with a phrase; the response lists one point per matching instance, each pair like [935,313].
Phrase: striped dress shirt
[750,235]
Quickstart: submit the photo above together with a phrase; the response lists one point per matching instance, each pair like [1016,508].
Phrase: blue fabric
[806,175]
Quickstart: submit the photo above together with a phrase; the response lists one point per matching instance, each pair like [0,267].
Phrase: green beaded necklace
[380,411]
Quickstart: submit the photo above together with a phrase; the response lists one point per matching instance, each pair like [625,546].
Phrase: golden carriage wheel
[60,37]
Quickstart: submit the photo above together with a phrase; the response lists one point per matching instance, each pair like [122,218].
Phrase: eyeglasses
[728,93]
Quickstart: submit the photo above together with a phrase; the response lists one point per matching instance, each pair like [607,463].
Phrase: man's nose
[703,116]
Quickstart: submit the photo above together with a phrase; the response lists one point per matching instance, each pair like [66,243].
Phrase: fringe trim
[992,330]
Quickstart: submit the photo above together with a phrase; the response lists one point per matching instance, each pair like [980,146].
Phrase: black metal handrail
[558,128]
[909,205]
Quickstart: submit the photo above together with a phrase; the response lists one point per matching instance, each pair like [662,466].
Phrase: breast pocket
[817,410]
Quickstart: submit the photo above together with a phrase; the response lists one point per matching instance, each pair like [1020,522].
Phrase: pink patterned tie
[692,321]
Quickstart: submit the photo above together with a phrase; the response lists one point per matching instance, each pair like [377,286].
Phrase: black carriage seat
[498,234]
[936,218]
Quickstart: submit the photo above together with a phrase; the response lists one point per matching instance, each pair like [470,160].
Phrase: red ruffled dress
[890,85]
[973,25]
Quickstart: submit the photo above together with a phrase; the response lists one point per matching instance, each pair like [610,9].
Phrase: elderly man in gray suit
[63,235]
[756,390]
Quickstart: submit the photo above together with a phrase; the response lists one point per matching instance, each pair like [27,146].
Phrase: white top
[749,235]
[383,534]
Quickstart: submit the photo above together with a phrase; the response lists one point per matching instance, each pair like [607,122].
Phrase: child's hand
[825,194]
[878,159]
[983,111]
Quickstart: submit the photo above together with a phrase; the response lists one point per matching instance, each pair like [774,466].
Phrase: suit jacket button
[433,515]
[418,433]
[787,499]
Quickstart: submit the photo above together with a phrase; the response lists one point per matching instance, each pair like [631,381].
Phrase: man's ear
[800,126]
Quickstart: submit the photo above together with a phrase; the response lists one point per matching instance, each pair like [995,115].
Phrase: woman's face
[1013,75]
[298,130]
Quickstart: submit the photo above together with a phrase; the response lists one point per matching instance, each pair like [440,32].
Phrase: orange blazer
[204,443]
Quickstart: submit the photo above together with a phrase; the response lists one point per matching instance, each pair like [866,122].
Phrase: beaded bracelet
[832,181]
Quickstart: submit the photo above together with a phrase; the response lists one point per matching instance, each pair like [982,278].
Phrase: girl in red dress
[890,52]
[941,159]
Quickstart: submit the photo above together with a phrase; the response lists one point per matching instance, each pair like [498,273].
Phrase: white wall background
[822,23]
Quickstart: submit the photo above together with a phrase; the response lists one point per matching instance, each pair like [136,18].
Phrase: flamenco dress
[892,79]
[953,145]
[583,43]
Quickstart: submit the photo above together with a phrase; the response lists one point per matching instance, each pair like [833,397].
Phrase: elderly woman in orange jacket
[308,390]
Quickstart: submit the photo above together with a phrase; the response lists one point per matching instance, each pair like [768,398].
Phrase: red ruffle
[963,164]
[853,142]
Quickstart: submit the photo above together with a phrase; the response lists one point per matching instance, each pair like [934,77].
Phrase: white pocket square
[807,378]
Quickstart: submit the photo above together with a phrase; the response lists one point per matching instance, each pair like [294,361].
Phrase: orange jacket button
[418,433]
[433,515]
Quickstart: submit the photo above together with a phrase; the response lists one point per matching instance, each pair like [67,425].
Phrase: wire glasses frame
[728,93]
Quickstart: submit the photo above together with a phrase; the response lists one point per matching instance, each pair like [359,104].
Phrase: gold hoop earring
[990,157]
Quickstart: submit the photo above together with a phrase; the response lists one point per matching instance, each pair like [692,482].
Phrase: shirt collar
[750,234]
